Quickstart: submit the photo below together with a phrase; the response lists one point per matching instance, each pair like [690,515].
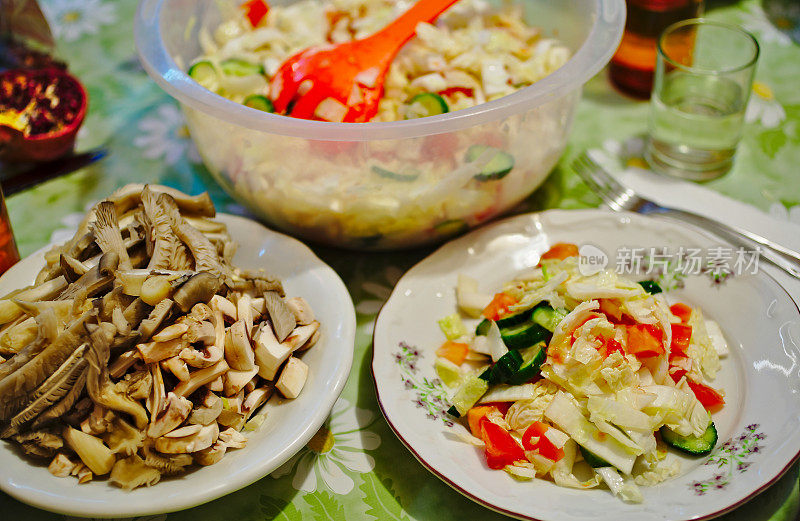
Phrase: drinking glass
[704,75]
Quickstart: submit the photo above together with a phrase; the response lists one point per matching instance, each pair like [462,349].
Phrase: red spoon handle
[389,39]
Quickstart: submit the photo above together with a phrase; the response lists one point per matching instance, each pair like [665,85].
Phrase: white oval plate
[285,431]
[758,428]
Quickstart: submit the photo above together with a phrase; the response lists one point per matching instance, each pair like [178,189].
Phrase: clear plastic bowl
[319,180]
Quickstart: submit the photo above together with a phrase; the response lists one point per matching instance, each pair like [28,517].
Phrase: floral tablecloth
[355,468]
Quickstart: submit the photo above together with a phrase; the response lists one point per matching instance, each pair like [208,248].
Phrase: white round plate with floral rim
[287,428]
[758,428]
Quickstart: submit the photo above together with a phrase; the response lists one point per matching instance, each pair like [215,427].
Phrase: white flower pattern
[379,293]
[757,22]
[72,19]
[763,107]
[781,212]
[340,444]
[164,135]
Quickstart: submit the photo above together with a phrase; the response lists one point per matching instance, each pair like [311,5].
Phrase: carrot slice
[560,251]
[474,417]
[499,306]
[456,352]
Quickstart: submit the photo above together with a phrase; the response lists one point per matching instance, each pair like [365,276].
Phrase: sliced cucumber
[532,360]
[524,335]
[694,445]
[650,286]
[468,393]
[548,317]
[204,73]
[394,176]
[513,319]
[500,164]
[426,104]
[238,67]
[507,366]
[489,375]
[259,102]
[593,459]
[483,327]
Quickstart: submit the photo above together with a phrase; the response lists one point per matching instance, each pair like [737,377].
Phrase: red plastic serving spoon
[344,82]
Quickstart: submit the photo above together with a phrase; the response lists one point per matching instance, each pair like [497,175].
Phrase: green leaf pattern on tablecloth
[278,509]
[356,468]
[384,505]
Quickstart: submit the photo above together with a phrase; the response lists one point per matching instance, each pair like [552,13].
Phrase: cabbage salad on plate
[583,380]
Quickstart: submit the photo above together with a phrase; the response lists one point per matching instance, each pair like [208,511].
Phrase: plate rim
[528,215]
[104,508]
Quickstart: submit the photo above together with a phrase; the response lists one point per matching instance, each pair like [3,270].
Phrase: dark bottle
[632,66]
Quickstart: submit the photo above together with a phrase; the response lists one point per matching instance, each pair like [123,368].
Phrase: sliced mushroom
[123,362]
[238,352]
[208,412]
[165,242]
[201,358]
[171,332]
[235,381]
[119,321]
[200,437]
[224,305]
[153,352]
[92,452]
[166,464]
[281,317]
[293,378]
[61,466]
[122,438]
[201,287]
[84,475]
[132,472]
[256,399]
[301,310]
[201,332]
[201,312]
[149,325]
[98,421]
[232,414]
[107,233]
[216,385]
[137,385]
[233,439]
[311,341]
[177,366]
[269,353]
[301,335]
[155,402]
[200,378]
[211,455]
[245,313]
[175,412]
[43,444]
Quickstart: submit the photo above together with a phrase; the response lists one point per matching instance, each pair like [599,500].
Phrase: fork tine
[602,176]
[584,168]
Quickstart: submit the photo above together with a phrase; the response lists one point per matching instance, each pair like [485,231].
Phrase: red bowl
[15,146]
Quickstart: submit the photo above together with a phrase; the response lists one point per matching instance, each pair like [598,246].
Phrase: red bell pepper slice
[681,335]
[709,397]
[501,448]
[499,306]
[682,311]
[255,11]
[450,91]
[645,340]
[545,447]
[610,346]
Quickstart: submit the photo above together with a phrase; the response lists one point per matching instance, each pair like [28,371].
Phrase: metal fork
[620,198]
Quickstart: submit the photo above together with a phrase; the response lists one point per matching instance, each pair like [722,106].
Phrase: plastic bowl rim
[582,65]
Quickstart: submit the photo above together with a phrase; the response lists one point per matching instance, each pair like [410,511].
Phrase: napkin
[693,197]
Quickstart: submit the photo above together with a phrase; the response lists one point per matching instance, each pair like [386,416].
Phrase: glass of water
[704,74]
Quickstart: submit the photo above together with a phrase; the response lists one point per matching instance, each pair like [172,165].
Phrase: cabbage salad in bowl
[475,53]
[586,380]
